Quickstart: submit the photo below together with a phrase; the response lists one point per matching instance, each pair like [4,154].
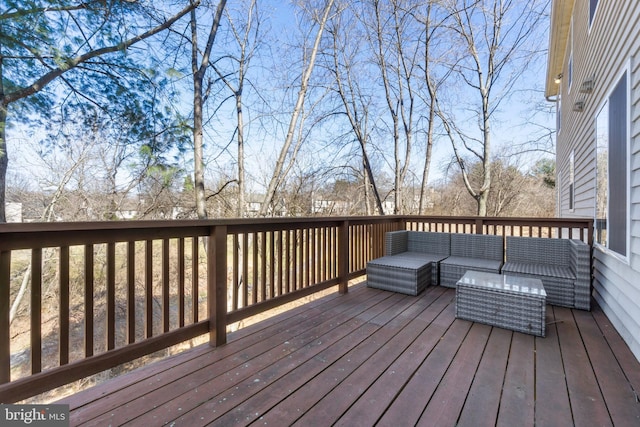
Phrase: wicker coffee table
[510,302]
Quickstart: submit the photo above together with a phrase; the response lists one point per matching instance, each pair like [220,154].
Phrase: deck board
[552,397]
[587,403]
[483,400]
[518,392]
[448,400]
[374,357]
[621,401]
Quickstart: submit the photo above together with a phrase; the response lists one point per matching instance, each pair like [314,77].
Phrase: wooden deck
[373,357]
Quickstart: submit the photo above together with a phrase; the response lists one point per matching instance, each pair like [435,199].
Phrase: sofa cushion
[550,270]
[485,264]
[403,260]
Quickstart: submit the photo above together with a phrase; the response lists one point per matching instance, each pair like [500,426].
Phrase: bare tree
[246,35]
[494,38]
[395,52]
[347,72]
[199,64]
[433,21]
[279,172]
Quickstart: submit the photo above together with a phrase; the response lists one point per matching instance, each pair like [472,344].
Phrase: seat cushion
[401,261]
[548,270]
[471,263]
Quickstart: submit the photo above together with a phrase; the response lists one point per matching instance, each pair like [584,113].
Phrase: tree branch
[71,63]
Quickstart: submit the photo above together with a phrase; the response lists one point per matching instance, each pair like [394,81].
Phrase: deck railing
[123,290]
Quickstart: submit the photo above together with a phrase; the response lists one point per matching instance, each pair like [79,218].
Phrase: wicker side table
[510,302]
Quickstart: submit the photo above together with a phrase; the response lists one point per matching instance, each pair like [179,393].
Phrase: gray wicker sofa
[480,252]
[410,263]
[563,265]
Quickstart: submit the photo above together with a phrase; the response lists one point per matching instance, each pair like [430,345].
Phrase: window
[593,6]
[570,71]
[570,63]
[559,183]
[572,192]
[558,114]
[611,220]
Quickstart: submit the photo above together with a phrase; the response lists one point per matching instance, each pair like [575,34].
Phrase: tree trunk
[199,72]
[4,158]
[241,173]
[427,160]
[486,161]
[198,156]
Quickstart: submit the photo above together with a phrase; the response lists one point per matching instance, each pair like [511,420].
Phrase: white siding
[604,51]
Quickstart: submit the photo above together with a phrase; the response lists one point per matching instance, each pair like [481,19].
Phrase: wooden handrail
[126,289]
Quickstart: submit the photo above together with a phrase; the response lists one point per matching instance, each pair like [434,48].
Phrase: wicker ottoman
[407,273]
[510,302]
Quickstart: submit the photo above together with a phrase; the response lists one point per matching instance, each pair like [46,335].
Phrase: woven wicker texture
[395,242]
[483,246]
[435,246]
[563,265]
[581,258]
[479,252]
[428,242]
[404,273]
[453,268]
[509,310]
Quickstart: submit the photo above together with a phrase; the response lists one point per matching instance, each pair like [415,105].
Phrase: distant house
[593,75]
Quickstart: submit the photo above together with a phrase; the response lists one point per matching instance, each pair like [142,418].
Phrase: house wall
[605,50]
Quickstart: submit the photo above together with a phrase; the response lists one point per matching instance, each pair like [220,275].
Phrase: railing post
[5,336]
[343,257]
[217,285]
[479,226]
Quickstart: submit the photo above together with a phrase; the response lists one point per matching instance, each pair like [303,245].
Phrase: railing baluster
[255,287]
[295,246]
[236,274]
[36,310]
[279,262]
[5,336]
[148,288]
[245,269]
[166,291]
[263,266]
[302,263]
[272,263]
[343,257]
[287,257]
[111,296]
[88,300]
[313,254]
[305,258]
[334,251]
[181,283]
[325,254]
[131,292]
[64,305]
[352,245]
[195,279]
